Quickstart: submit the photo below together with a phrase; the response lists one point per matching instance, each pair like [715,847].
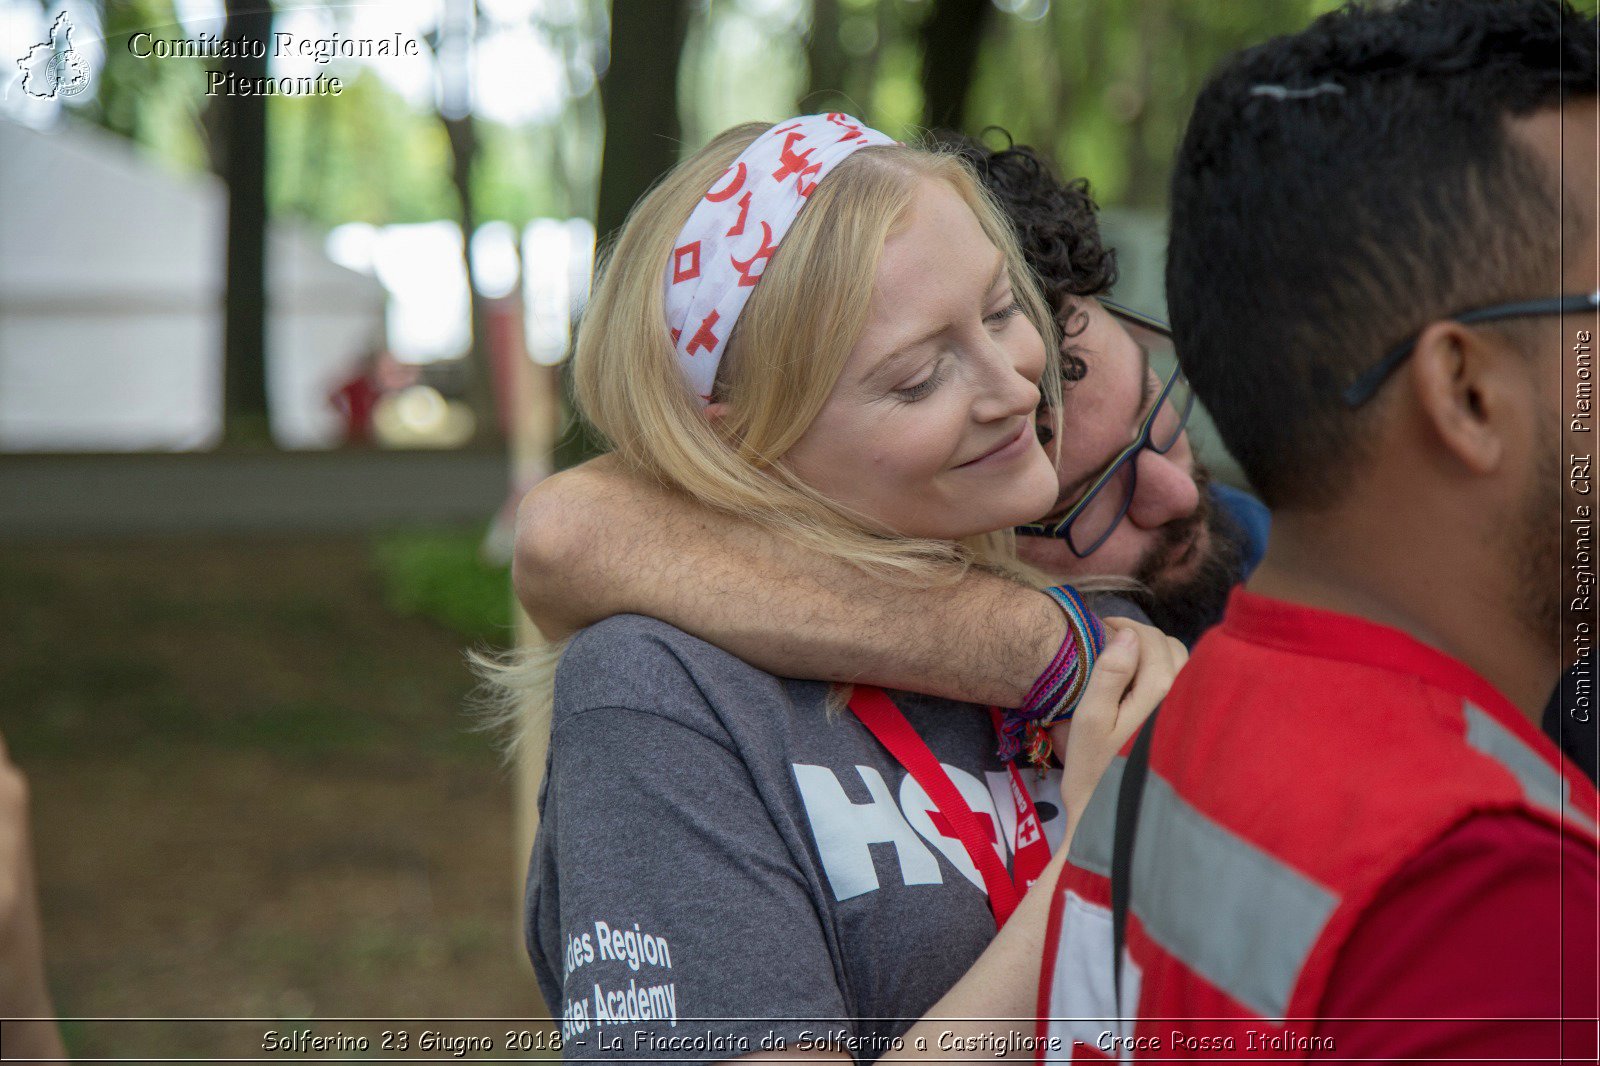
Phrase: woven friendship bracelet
[1057,677]
[1055,695]
[1090,637]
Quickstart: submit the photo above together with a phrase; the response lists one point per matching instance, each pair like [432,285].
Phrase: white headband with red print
[723,249]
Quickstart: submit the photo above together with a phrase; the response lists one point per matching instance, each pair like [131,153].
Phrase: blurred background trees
[517,111]
[236,679]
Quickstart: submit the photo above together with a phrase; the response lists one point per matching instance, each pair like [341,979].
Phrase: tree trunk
[639,103]
[244,171]
[951,37]
[827,64]
[639,108]
[463,137]
[452,44]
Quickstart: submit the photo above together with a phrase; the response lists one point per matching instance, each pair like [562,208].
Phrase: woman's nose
[1011,386]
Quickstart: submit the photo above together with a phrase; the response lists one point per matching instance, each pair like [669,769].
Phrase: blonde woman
[814,327]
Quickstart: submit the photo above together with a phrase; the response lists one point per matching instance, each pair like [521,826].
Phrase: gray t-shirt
[721,865]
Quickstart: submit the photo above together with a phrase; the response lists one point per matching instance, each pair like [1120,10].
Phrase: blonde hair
[786,353]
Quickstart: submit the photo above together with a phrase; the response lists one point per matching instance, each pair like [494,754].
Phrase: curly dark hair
[1055,221]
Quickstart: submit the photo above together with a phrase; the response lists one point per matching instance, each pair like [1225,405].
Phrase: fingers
[1158,665]
[13,794]
[1094,740]
[1131,675]
[1159,659]
[1175,648]
[1114,670]
[1156,646]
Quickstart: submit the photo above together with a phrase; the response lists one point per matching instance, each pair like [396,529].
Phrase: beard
[1186,607]
[1534,541]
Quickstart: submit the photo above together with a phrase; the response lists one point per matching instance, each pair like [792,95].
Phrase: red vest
[1301,759]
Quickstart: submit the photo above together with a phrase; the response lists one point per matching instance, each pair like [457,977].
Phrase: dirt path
[255,795]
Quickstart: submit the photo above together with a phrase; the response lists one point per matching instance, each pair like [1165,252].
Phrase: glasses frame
[1366,386]
[1061,529]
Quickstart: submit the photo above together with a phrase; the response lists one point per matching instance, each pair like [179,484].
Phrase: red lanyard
[1030,853]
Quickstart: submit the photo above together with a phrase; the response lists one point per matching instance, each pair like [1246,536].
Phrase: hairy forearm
[594,542]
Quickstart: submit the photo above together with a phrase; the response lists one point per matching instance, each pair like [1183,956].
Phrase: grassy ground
[255,790]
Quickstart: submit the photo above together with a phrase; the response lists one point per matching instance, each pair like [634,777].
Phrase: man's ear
[1465,382]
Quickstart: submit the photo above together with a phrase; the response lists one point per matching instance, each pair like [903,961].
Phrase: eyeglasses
[1102,506]
[1366,386]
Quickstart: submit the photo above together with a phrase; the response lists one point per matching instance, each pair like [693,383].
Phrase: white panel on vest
[1083,1007]
[1132,982]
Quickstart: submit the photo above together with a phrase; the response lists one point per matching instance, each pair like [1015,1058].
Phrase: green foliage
[897,90]
[362,156]
[156,103]
[738,65]
[367,155]
[1107,87]
[442,576]
[516,177]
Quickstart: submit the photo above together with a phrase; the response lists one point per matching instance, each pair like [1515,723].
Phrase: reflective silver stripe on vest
[1091,841]
[1541,783]
[1222,906]
[1230,911]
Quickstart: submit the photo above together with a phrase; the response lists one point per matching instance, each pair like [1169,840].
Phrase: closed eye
[1010,311]
[913,393]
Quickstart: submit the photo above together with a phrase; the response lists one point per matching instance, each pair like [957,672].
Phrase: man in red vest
[1352,840]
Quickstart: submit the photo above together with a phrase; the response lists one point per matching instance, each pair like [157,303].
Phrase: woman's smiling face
[930,428]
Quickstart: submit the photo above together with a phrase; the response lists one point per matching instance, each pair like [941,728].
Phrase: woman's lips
[1014,445]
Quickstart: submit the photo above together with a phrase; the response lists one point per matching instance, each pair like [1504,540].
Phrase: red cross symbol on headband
[704,340]
[714,266]
[794,163]
[744,213]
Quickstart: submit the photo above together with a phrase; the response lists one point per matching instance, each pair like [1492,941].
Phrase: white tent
[111,284]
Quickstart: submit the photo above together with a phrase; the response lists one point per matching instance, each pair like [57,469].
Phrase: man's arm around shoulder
[595,541]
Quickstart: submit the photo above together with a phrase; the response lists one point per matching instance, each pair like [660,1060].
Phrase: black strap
[1129,797]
